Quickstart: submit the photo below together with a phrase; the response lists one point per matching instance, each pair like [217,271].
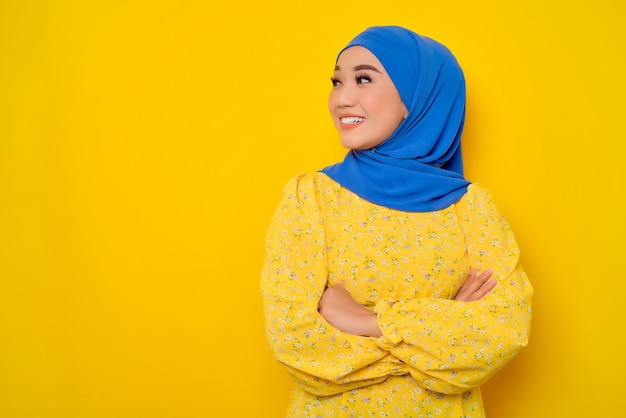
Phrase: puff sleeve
[453,346]
[320,358]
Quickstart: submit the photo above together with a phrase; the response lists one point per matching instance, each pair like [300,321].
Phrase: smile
[351,120]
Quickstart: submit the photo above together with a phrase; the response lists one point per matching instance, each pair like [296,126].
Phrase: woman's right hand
[476,286]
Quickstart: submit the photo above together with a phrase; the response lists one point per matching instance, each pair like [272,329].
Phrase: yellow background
[144,146]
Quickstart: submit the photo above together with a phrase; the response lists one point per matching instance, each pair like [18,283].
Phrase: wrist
[371,326]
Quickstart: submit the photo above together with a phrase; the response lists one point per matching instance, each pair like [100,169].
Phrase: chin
[352,146]
[355,146]
[351,143]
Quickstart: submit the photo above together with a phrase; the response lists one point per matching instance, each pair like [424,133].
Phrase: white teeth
[351,120]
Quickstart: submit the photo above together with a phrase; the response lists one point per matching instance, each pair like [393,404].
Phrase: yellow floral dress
[407,267]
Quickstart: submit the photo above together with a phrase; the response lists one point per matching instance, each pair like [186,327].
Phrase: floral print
[407,267]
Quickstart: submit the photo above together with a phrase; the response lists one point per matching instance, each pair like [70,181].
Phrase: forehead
[358,55]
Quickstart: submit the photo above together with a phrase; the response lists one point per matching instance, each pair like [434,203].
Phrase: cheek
[380,105]
[332,102]
[394,108]
[393,114]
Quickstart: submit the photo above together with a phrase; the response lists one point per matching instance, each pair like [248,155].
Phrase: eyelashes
[358,78]
[363,78]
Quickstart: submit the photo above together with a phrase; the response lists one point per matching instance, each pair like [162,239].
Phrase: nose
[346,96]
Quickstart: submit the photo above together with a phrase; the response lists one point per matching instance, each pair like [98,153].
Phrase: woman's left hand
[476,286]
[346,314]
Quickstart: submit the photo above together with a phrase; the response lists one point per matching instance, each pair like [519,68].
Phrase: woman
[372,293]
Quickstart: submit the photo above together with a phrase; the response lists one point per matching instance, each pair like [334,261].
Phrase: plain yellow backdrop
[145,144]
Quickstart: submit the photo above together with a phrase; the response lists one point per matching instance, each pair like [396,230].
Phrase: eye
[335,82]
[363,79]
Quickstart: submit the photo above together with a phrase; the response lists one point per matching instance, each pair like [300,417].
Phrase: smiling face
[364,103]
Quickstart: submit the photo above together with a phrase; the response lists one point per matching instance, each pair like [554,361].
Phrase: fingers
[484,277]
[476,286]
[486,284]
[476,281]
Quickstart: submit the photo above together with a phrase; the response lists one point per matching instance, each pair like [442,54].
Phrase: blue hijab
[419,167]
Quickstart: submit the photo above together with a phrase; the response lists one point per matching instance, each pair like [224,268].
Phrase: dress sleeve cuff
[385,323]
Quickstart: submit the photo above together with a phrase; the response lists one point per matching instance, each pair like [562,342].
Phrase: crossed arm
[330,343]
[347,315]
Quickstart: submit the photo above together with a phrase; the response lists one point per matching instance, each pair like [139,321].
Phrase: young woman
[392,285]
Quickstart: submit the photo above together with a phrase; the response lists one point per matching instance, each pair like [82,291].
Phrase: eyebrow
[361,67]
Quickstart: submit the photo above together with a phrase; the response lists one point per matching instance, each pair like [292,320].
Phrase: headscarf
[419,167]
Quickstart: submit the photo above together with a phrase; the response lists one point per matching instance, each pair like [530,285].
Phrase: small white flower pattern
[435,352]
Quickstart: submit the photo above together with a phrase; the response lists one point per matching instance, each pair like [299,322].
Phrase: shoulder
[489,235]
[476,197]
[478,211]
[306,184]
[478,208]
[311,179]
[309,189]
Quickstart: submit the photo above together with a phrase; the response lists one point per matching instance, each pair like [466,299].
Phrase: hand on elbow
[476,286]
